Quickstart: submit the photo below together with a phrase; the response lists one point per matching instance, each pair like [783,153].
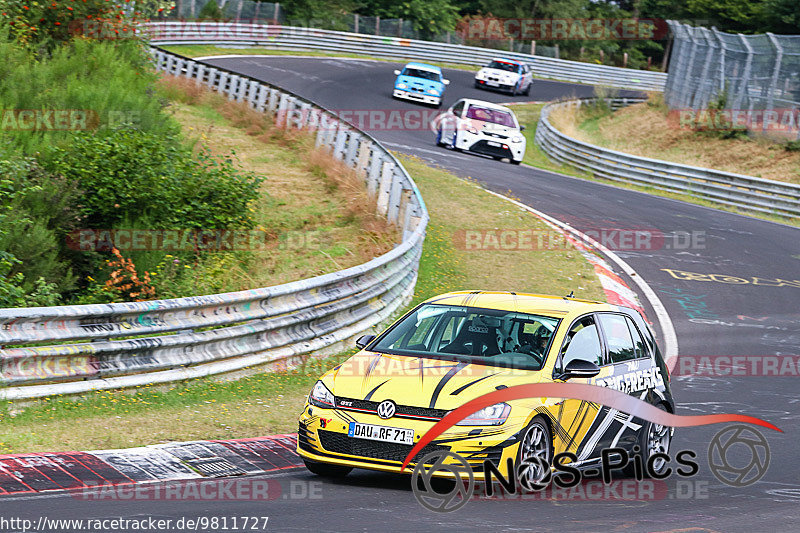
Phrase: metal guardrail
[137,343]
[737,190]
[296,38]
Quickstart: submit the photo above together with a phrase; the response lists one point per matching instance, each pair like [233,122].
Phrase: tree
[210,11]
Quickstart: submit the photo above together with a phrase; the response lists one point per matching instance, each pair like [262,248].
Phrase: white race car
[481,127]
[507,75]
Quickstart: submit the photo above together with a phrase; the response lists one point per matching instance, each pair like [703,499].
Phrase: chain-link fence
[755,76]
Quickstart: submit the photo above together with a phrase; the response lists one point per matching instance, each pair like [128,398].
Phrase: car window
[618,337]
[638,343]
[582,342]
[420,73]
[458,108]
[471,335]
[502,65]
[493,116]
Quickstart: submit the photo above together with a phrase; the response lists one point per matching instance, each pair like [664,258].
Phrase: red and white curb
[178,461]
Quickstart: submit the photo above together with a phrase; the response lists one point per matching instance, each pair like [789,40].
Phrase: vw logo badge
[386,409]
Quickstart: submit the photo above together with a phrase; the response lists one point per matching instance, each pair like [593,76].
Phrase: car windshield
[472,335]
[502,65]
[419,73]
[495,116]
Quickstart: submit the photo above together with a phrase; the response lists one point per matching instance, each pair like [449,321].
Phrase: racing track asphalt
[721,316]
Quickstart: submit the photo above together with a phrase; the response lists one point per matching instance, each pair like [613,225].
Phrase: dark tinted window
[638,342]
[618,337]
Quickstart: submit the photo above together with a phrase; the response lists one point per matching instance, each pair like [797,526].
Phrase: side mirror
[580,368]
[522,128]
[446,82]
[364,340]
[396,72]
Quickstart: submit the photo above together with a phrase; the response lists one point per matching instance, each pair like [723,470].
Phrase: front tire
[327,470]
[515,162]
[439,138]
[537,443]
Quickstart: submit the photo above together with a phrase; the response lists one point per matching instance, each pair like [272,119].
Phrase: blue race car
[421,83]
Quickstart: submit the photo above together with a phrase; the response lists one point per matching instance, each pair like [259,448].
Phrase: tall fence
[73,349]
[743,73]
[744,192]
[301,38]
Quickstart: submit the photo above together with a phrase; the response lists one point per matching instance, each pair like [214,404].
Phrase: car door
[450,121]
[634,372]
[576,419]
[528,77]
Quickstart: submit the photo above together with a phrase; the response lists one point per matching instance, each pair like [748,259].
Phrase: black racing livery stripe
[370,393]
[442,382]
[463,387]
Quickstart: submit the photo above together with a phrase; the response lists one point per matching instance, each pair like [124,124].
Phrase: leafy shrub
[41,26]
[111,81]
[130,174]
[210,11]
[27,254]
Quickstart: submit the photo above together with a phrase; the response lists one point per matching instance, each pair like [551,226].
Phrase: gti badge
[386,409]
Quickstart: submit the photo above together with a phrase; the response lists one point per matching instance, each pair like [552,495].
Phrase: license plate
[493,143]
[492,83]
[381,433]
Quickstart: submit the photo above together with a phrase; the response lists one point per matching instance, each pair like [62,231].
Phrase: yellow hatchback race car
[369,411]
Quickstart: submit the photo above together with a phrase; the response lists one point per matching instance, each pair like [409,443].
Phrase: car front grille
[387,451]
[482,147]
[403,411]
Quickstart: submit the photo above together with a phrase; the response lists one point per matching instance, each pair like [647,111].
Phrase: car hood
[499,73]
[420,82]
[420,382]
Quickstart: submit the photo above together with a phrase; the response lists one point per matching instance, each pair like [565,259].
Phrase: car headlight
[472,130]
[320,395]
[516,139]
[494,415]
[433,92]
[401,86]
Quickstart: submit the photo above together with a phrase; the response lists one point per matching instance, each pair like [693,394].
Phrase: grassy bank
[528,114]
[269,403]
[649,130]
[312,214]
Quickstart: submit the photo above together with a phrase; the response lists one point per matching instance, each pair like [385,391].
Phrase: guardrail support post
[385,188]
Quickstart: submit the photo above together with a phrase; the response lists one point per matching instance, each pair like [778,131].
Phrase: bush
[130,175]
[210,11]
[111,81]
[28,253]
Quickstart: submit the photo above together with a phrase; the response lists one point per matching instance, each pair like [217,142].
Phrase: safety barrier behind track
[295,38]
[744,192]
[129,344]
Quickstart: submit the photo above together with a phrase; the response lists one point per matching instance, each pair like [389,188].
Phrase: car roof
[483,103]
[424,66]
[525,303]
